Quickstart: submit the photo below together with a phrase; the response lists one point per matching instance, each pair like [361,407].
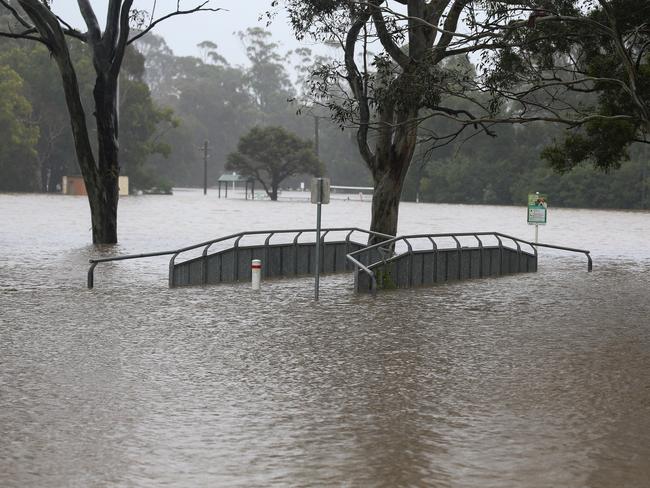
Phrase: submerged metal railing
[237,237]
[388,246]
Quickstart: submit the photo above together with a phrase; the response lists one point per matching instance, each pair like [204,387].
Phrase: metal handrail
[453,235]
[207,244]
[371,274]
[498,235]
[570,249]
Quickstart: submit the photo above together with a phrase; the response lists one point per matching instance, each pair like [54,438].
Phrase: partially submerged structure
[427,259]
[75,185]
[234,181]
[396,262]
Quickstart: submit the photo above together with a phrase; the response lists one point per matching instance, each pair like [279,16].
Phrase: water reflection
[533,381]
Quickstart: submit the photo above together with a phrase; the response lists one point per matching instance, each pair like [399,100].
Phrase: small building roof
[234,177]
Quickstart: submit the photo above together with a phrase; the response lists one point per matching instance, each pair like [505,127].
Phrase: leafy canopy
[272,154]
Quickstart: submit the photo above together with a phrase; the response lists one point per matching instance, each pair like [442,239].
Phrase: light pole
[205,167]
[317,135]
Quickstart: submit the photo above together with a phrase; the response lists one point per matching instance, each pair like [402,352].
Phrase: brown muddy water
[538,380]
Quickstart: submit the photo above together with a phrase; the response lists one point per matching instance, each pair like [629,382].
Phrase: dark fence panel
[278,260]
[422,268]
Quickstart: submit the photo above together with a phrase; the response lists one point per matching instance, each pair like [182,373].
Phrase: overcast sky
[183,33]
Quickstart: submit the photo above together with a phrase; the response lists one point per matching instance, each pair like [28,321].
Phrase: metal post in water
[205,168]
[318,219]
[320,194]
[536,233]
[256,274]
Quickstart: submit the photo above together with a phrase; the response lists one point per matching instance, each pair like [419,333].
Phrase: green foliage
[272,154]
[603,142]
[18,163]
[266,80]
[597,59]
[505,170]
[55,149]
[142,122]
[217,102]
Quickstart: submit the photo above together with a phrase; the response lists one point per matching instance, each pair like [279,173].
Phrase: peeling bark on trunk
[393,154]
[386,197]
[105,222]
[101,173]
[385,205]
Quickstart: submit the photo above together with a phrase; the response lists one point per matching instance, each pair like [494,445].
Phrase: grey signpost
[320,194]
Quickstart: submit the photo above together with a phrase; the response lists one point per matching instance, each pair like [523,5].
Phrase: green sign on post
[537,209]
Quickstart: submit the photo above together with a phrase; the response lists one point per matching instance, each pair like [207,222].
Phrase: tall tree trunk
[392,157]
[104,203]
[103,206]
[389,182]
[100,179]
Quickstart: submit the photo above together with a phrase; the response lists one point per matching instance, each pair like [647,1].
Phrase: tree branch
[200,8]
[24,36]
[15,14]
[121,42]
[88,14]
[450,27]
[355,80]
[385,37]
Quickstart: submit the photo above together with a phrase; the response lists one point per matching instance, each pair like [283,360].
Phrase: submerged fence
[396,262]
[228,258]
[402,264]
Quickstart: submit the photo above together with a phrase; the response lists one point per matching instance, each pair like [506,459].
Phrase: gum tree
[406,61]
[34,20]
[272,154]
[391,72]
[595,61]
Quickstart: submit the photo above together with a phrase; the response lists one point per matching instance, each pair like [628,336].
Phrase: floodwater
[535,380]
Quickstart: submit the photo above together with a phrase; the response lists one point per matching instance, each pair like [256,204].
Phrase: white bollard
[256,273]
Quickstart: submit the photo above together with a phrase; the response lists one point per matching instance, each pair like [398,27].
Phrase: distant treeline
[502,170]
[170,105]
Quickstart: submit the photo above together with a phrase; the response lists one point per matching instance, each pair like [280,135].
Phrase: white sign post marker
[256,274]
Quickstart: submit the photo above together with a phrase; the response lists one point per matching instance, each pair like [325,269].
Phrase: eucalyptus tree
[590,59]
[55,149]
[390,73]
[34,20]
[212,101]
[405,61]
[272,154]
[18,163]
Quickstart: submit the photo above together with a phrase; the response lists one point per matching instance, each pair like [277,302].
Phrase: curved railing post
[171,270]
[295,253]
[518,255]
[324,232]
[500,253]
[460,257]
[204,264]
[410,262]
[480,262]
[347,246]
[236,258]
[91,274]
[267,255]
[434,246]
